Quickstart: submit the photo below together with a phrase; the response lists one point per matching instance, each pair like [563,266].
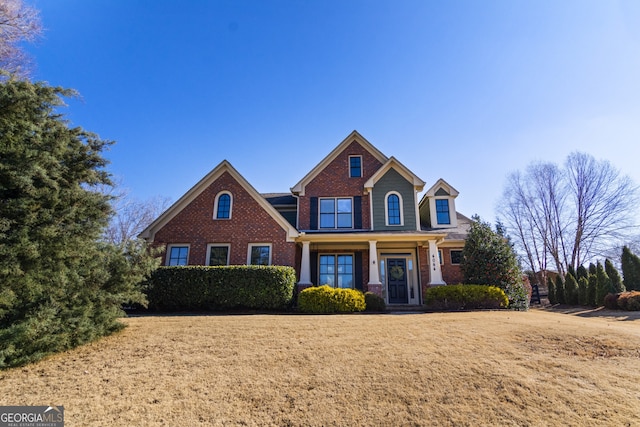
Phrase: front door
[397,281]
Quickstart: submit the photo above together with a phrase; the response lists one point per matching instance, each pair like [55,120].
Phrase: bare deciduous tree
[563,217]
[18,23]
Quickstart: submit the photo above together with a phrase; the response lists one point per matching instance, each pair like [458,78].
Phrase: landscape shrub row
[629,301]
[215,288]
[325,299]
[464,297]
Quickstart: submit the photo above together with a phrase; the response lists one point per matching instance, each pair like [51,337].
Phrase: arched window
[394,209]
[222,206]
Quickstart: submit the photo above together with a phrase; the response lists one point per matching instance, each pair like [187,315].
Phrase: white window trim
[251,245]
[215,205]
[335,213]
[440,257]
[448,207]
[361,167]
[174,245]
[386,209]
[216,245]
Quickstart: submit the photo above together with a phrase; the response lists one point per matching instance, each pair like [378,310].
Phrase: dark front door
[397,281]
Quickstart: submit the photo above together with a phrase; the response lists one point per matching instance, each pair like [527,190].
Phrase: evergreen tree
[603,286]
[560,294]
[591,290]
[593,269]
[582,272]
[614,276]
[630,269]
[583,291]
[59,286]
[488,259]
[571,290]
[551,288]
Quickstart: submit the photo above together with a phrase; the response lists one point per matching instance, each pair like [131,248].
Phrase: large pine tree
[59,286]
[630,269]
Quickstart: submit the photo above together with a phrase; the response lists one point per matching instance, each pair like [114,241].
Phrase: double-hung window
[336,213]
[178,255]
[218,254]
[355,166]
[336,270]
[442,211]
[259,254]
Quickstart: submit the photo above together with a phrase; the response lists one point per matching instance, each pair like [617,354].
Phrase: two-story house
[353,221]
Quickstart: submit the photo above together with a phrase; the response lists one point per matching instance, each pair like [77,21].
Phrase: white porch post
[374,275]
[434,265]
[305,266]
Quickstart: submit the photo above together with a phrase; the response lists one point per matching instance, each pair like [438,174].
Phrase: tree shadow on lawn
[592,312]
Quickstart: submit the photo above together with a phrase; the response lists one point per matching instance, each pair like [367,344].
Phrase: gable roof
[353,136]
[441,183]
[393,163]
[224,166]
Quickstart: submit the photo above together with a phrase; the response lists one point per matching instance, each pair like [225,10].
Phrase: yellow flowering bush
[325,299]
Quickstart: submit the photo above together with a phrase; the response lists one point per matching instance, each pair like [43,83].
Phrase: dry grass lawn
[464,369]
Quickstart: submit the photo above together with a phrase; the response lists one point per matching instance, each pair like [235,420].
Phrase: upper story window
[442,211]
[394,209]
[178,255]
[222,205]
[336,213]
[355,166]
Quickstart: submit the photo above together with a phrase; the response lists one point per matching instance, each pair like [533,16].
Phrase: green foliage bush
[374,302]
[464,297]
[60,286]
[217,288]
[603,284]
[583,291]
[616,281]
[630,269]
[629,301]
[325,299]
[560,293]
[592,289]
[611,301]
[571,290]
[551,287]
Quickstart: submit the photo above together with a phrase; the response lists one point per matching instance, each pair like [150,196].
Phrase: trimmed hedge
[374,302]
[217,288]
[464,297]
[325,299]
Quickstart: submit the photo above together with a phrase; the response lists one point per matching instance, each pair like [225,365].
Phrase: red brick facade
[334,181]
[249,223]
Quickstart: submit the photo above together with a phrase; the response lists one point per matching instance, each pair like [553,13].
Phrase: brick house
[353,221]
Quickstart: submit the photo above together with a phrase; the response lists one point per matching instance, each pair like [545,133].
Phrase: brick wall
[249,223]
[334,181]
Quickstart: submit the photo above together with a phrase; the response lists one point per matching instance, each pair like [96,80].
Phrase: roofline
[224,166]
[402,169]
[298,189]
[420,238]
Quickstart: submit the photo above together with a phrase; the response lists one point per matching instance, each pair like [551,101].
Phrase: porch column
[305,266]
[435,273]
[374,275]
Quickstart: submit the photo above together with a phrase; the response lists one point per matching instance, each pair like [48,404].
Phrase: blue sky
[468,91]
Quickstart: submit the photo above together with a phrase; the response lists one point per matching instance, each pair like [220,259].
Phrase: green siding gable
[393,181]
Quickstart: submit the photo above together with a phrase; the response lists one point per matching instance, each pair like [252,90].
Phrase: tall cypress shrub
[560,294]
[614,276]
[603,286]
[551,287]
[571,290]
[583,291]
[582,272]
[630,269]
[591,290]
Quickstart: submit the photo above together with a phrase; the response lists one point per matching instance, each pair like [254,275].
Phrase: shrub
[611,301]
[583,291]
[374,302]
[571,290]
[591,289]
[629,301]
[215,288]
[603,284]
[461,297]
[551,289]
[560,294]
[325,300]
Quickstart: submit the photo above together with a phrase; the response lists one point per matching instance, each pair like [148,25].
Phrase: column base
[375,288]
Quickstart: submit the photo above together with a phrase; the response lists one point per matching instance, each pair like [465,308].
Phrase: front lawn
[474,368]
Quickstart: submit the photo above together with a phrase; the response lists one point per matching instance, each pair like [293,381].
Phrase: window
[259,254]
[336,213]
[355,166]
[456,256]
[440,256]
[394,209]
[336,271]
[442,211]
[218,255]
[178,255]
[222,206]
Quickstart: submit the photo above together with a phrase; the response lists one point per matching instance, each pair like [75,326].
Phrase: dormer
[438,206]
